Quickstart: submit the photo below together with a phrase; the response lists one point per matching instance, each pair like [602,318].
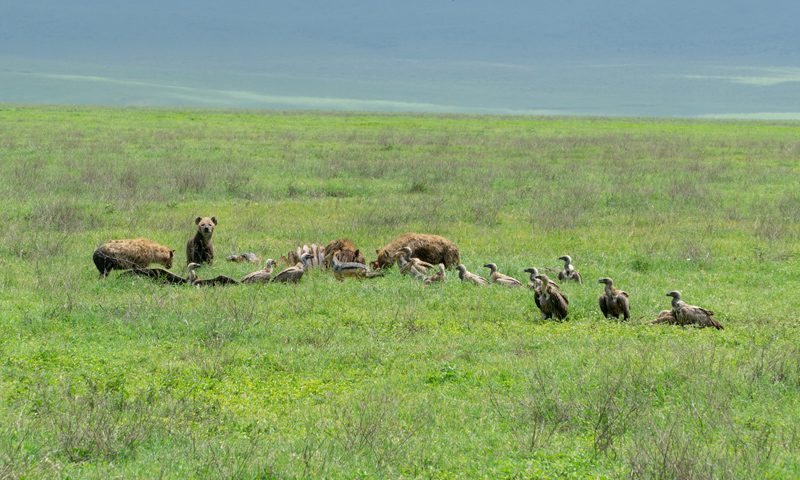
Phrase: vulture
[665,316]
[569,273]
[436,277]
[550,300]
[686,314]
[613,302]
[500,278]
[413,263]
[193,279]
[342,270]
[413,266]
[534,283]
[261,276]
[295,273]
[159,274]
[466,276]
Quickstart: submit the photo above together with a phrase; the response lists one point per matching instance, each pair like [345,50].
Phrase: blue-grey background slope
[645,58]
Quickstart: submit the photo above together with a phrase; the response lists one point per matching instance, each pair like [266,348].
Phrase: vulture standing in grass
[569,273]
[613,302]
[342,270]
[536,285]
[500,278]
[466,276]
[193,279]
[261,276]
[295,273]
[159,274]
[533,282]
[436,277]
[413,266]
[550,300]
[686,314]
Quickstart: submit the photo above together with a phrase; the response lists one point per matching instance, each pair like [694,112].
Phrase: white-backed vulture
[613,302]
[412,266]
[535,284]
[502,279]
[436,277]
[551,301]
[470,277]
[295,273]
[665,317]
[261,276]
[686,314]
[569,273]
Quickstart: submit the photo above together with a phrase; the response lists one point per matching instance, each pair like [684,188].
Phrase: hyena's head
[205,225]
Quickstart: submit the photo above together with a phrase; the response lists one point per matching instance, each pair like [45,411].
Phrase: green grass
[125,378]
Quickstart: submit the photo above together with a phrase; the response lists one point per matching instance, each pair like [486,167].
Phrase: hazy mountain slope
[616,57]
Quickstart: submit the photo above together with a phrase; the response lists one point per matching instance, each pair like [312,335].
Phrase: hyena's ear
[171,253]
[197,220]
[358,252]
[378,252]
[214,220]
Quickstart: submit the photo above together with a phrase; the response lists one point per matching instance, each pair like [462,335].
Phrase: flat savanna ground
[126,378]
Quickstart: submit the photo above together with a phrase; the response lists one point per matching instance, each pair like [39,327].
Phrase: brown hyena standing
[131,253]
[199,248]
[429,248]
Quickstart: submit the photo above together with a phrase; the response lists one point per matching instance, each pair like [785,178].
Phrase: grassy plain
[123,378]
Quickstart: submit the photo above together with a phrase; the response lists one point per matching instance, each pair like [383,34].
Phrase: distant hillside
[248,31]
[617,57]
